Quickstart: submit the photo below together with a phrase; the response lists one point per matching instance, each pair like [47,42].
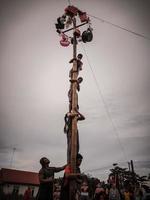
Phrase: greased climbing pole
[74,104]
[69,18]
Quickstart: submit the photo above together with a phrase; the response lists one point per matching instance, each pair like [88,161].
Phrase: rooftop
[18,177]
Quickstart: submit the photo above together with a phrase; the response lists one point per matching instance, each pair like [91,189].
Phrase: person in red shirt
[68,175]
[28,194]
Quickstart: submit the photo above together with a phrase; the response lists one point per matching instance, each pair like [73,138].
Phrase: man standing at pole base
[46,179]
[68,178]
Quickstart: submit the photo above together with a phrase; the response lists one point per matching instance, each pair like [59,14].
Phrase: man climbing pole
[67,129]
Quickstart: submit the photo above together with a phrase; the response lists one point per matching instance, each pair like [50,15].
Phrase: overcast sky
[34,82]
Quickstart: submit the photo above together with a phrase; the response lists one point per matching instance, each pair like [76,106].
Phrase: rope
[120,27]
[105,105]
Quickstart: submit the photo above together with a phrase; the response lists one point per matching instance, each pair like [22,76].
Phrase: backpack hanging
[87,36]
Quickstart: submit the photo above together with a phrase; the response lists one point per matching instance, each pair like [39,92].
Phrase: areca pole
[71,13]
[74,104]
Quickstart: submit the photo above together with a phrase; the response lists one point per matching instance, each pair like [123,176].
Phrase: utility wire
[120,27]
[98,169]
[137,163]
[105,105]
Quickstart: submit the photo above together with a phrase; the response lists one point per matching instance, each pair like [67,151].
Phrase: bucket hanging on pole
[64,41]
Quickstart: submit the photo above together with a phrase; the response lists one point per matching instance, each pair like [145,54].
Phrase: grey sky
[34,84]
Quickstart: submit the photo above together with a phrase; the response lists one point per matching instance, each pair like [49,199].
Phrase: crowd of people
[85,188]
[103,191]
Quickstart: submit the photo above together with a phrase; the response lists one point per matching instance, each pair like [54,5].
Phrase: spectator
[28,194]
[114,193]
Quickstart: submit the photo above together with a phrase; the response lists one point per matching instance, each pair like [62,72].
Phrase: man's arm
[59,169]
[80,116]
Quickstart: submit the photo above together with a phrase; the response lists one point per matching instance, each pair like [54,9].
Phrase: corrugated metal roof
[18,177]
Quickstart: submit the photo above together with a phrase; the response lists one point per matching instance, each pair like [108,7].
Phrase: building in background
[14,183]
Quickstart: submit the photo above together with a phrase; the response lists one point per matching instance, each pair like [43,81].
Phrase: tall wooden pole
[73,184]
[72,117]
[74,104]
